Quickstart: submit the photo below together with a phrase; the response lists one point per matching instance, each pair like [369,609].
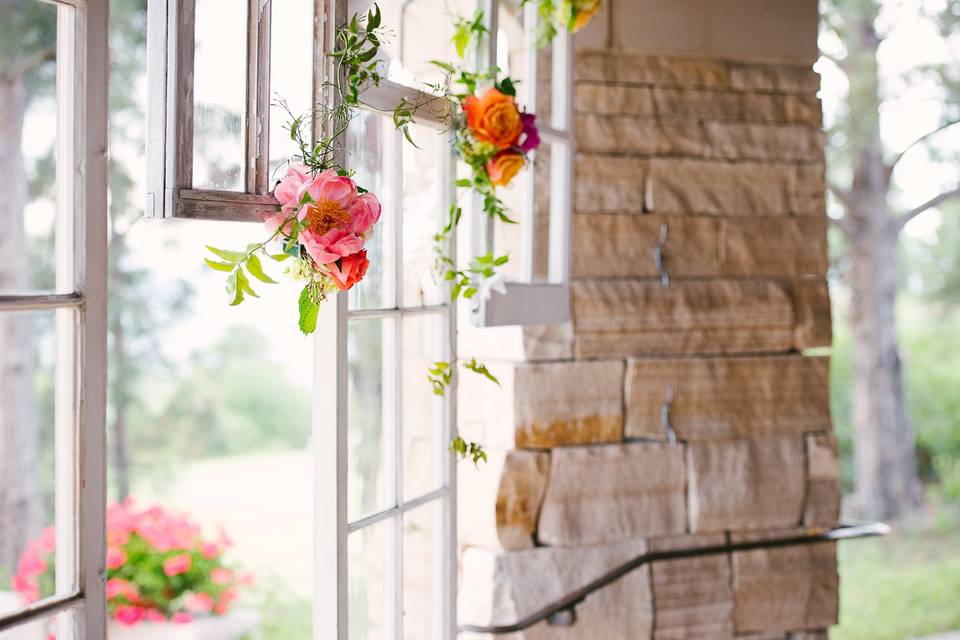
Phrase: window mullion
[258,97]
[398,328]
[561,158]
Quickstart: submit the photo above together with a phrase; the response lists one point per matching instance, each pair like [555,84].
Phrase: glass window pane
[220,94]
[423,215]
[372,424]
[28,352]
[371,581]
[423,448]
[423,551]
[371,146]
[28,127]
[291,76]
[511,48]
[211,424]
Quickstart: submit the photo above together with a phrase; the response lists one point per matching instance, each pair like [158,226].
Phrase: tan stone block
[613,100]
[808,190]
[543,405]
[610,245]
[504,499]
[811,309]
[775,247]
[634,68]
[693,598]
[500,588]
[724,398]
[745,484]
[609,184]
[717,105]
[639,136]
[779,142]
[822,634]
[785,588]
[637,317]
[686,541]
[604,494]
[515,343]
[713,187]
[822,507]
[803,110]
[782,78]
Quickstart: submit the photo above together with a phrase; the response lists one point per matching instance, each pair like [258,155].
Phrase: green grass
[906,585]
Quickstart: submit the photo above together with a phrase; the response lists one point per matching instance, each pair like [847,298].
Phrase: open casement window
[53,322]
[537,277]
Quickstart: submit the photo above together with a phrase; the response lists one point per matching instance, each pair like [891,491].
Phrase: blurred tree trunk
[21,510]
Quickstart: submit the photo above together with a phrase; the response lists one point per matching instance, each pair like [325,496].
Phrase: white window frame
[80,306]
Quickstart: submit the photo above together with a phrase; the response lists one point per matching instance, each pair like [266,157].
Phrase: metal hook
[658,257]
[665,417]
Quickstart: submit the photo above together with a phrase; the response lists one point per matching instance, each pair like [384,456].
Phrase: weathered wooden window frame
[80,307]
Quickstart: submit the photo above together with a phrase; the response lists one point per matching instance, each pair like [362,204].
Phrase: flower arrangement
[570,14]
[159,568]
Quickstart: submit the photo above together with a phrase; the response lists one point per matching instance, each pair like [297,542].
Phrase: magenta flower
[530,136]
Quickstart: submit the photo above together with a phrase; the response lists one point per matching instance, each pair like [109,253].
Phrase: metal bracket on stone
[665,417]
[658,257]
[563,618]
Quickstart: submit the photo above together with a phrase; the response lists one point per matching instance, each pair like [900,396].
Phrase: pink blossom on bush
[120,588]
[129,615]
[221,576]
[177,564]
[181,618]
[152,615]
[199,603]
[116,557]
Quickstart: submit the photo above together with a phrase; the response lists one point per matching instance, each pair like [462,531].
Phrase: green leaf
[219,266]
[256,270]
[279,257]
[234,290]
[480,368]
[309,311]
[373,18]
[244,283]
[507,87]
[232,257]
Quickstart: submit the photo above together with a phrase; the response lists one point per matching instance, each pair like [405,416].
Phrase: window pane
[28,127]
[211,423]
[28,352]
[371,577]
[423,551]
[372,423]
[511,48]
[220,94]
[371,146]
[291,75]
[423,446]
[422,215]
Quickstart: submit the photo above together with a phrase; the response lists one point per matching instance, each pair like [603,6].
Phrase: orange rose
[585,10]
[494,118]
[504,166]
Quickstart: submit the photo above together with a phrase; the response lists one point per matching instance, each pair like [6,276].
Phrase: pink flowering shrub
[159,568]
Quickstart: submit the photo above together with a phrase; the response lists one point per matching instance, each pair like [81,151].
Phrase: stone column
[715,139]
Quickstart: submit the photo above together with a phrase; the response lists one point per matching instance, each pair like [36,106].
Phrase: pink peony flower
[364,212]
[331,246]
[199,603]
[530,137]
[116,557]
[175,565]
[129,616]
[181,618]
[287,192]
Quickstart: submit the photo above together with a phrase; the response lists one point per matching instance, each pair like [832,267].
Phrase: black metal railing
[566,604]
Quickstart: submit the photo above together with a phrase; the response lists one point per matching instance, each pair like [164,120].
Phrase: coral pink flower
[129,615]
[221,575]
[116,557]
[152,615]
[331,246]
[181,618]
[175,565]
[120,588]
[364,213]
[287,192]
[349,271]
[210,550]
[199,603]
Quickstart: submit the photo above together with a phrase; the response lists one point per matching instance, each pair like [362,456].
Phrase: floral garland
[324,220]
